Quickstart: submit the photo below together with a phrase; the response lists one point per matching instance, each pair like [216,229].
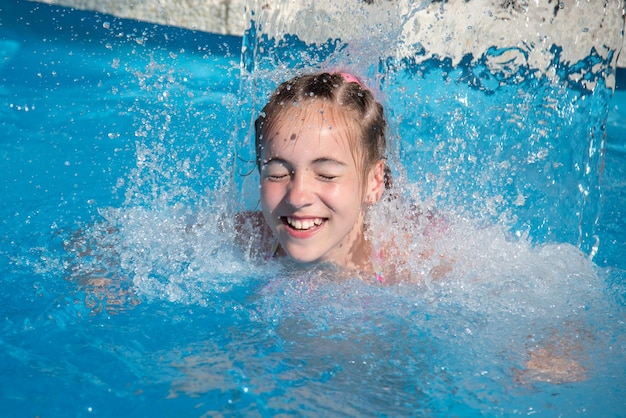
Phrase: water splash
[485,138]
[506,128]
[170,238]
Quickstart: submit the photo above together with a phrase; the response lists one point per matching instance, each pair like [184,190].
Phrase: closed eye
[328,169]
[274,170]
[275,177]
[274,174]
[327,177]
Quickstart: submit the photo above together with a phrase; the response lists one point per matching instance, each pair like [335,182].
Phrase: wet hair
[345,92]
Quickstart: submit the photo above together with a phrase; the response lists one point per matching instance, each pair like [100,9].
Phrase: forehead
[312,111]
[313,119]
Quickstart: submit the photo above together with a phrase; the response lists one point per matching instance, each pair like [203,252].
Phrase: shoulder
[249,219]
[253,234]
[407,238]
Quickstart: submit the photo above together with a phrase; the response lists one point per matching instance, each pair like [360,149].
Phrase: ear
[375,183]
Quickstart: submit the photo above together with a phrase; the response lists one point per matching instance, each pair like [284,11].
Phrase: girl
[320,150]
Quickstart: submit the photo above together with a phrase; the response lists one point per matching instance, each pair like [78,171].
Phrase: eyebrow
[325,160]
[273,160]
[317,161]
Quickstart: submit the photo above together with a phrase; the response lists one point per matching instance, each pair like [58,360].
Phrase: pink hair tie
[349,78]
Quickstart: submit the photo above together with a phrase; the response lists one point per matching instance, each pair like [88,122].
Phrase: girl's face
[313,189]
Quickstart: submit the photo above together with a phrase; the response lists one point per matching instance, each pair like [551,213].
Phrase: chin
[304,260]
[300,258]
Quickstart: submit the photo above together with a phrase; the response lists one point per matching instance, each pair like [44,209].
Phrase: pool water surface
[123,290]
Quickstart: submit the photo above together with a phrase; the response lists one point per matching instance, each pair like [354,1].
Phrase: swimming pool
[118,136]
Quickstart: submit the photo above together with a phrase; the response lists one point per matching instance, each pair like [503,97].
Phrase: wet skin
[314,191]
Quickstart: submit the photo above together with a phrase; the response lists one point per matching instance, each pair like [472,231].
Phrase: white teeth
[305,224]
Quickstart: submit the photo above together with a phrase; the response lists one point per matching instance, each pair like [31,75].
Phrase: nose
[300,192]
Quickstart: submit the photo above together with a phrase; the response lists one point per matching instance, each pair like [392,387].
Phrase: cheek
[271,194]
[344,197]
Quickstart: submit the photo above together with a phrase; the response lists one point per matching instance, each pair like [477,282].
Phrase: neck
[359,256]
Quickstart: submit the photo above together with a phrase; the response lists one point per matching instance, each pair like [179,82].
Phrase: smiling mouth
[302,224]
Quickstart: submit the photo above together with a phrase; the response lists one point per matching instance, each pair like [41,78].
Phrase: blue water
[121,293]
